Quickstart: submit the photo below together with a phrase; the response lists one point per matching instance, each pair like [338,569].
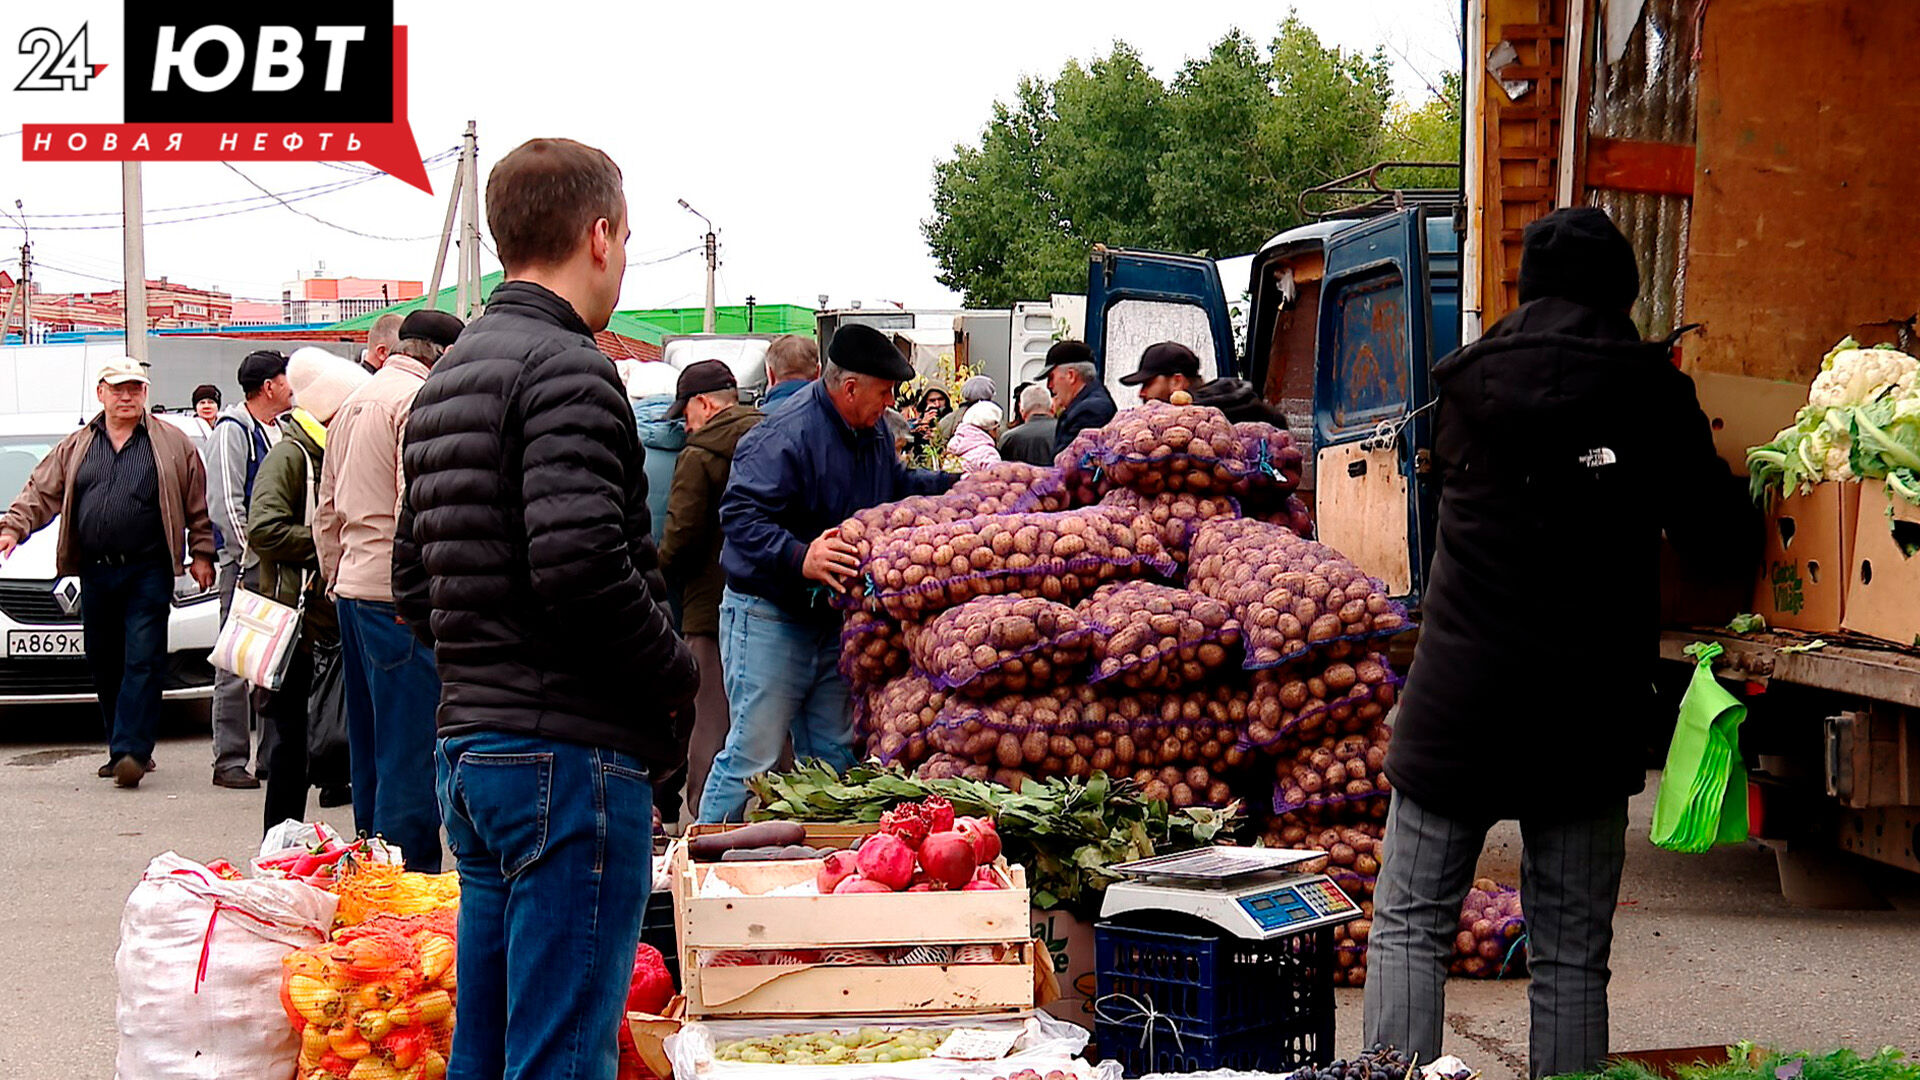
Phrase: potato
[992,645]
[1283,590]
[872,650]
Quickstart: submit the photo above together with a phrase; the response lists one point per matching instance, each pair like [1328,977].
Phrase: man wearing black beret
[800,473]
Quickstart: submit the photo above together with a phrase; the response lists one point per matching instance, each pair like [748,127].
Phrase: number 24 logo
[57,64]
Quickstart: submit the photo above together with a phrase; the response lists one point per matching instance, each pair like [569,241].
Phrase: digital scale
[1248,892]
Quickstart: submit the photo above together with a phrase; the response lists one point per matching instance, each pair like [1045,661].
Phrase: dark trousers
[123,611]
[392,748]
[286,716]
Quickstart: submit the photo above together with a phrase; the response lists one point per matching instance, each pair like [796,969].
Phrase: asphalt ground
[1706,952]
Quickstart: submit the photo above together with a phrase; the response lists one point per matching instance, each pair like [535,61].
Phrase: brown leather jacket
[183,494]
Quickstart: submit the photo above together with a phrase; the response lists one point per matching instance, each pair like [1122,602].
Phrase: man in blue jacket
[806,468]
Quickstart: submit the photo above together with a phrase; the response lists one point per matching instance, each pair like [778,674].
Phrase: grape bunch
[1378,1063]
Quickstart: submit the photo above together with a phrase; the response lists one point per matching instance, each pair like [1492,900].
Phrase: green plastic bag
[1703,790]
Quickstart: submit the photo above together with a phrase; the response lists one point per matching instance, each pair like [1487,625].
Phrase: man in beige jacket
[131,495]
[392,686]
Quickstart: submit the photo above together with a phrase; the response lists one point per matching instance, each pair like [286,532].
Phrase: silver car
[42,647]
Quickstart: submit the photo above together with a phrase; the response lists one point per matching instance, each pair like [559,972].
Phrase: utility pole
[460,265]
[470,235]
[713,260]
[749,313]
[133,232]
[446,228]
[23,289]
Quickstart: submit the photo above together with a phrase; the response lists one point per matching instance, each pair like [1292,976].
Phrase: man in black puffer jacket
[1566,446]
[525,555]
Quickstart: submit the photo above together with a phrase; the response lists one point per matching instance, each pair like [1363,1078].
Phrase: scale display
[1246,891]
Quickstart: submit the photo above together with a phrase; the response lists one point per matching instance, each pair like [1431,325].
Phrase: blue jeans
[554,842]
[782,676]
[393,750]
[123,614]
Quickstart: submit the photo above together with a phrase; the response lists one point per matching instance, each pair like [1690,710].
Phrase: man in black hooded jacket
[1565,447]
[525,554]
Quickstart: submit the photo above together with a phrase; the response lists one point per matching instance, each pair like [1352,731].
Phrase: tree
[1428,132]
[1213,162]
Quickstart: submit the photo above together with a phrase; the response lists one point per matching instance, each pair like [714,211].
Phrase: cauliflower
[1854,376]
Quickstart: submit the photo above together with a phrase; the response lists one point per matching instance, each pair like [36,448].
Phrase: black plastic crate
[1280,1048]
[1211,985]
[656,929]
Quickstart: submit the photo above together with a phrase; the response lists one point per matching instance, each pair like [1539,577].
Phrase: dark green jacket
[690,548]
[280,531]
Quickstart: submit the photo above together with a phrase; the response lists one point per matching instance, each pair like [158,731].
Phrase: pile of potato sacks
[1137,609]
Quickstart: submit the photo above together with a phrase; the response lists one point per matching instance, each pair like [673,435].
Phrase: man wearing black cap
[392,688]
[709,399]
[796,477]
[1079,399]
[241,437]
[1565,446]
[1167,367]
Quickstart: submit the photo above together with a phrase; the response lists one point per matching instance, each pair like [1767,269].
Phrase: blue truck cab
[1345,321]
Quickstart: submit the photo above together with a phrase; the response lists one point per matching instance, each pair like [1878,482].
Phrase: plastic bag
[1044,1044]
[1292,596]
[1157,637]
[327,755]
[1003,644]
[199,967]
[381,992]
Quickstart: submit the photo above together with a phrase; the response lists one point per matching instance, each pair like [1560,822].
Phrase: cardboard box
[1883,588]
[1805,568]
[1744,411]
[857,920]
[1068,940]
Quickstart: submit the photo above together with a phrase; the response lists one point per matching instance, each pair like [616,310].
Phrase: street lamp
[713,259]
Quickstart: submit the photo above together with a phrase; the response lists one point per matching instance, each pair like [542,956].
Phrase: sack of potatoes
[1341,778]
[1003,645]
[1157,637]
[1292,596]
[873,649]
[1308,700]
[1174,516]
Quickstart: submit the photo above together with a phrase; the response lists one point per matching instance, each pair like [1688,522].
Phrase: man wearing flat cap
[1168,367]
[708,399]
[392,687]
[131,496]
[1079,399]
[796,477]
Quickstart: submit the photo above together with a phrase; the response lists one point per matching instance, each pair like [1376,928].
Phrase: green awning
[622,323]
[731,319]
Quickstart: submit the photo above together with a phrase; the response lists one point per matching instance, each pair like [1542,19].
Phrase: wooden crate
[854,920]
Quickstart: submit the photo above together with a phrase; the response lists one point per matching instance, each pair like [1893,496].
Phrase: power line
[669,258]
[325,188]
[321,220]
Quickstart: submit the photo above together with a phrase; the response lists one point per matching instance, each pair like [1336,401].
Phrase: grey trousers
[1569,886]
[233,712]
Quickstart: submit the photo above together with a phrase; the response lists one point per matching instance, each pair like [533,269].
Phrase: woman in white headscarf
[976,438]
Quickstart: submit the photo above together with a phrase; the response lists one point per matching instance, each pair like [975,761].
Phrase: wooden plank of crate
[866,989]
[849,919]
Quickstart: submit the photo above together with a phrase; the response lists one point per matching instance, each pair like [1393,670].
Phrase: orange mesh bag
[376,1002]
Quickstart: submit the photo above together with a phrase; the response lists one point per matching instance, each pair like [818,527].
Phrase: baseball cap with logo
[123,369]
[705,377]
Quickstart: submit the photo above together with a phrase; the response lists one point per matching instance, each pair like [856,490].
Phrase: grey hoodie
[230,450]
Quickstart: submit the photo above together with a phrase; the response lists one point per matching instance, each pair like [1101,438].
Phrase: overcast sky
[807,132]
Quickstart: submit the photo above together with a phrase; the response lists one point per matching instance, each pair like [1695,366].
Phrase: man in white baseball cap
[131,495]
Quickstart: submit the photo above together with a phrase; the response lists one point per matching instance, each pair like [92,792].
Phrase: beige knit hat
[321,380]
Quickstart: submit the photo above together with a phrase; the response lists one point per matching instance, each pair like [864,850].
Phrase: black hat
[260,367]
[1068,351]
[860,348]
[426,324]
[1163,358]
[1578,254]
[703,377]
[206,392]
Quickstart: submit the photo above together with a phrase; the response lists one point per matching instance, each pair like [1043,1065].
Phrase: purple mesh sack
[1292,596]
[1003,644]
[1158,637]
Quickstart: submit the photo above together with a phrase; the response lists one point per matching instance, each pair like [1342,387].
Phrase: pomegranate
[887,859]
[948,858]
[981,885]
[938,812]
[982,835]
[857,884]
[834,869]
[906,821]
[922,886]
